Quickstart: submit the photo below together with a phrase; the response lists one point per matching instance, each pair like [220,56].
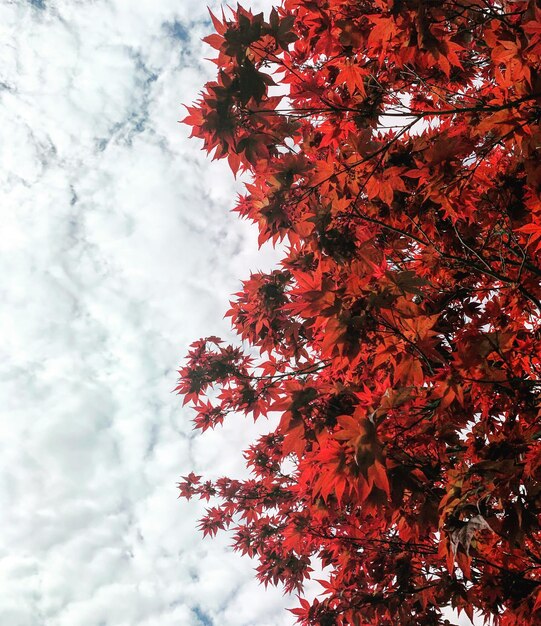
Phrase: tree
[393,146]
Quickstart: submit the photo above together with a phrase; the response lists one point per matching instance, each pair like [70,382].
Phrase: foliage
[393,146]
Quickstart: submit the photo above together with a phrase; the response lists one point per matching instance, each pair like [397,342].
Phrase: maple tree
[393,147]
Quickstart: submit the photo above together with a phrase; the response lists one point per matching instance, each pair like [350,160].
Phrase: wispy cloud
[117,251]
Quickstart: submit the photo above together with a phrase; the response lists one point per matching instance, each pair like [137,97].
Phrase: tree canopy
[393,148]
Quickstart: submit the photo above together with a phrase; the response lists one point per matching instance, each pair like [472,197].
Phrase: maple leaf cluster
[393,147]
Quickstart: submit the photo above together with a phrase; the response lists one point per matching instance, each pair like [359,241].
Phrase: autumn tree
[393,148]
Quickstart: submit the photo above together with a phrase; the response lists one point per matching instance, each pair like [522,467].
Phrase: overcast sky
[117,251]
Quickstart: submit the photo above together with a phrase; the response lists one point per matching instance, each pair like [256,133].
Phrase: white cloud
[117,252]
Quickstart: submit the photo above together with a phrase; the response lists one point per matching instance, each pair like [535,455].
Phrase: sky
[118,250]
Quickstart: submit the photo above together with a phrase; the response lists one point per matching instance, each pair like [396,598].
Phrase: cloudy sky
[117,251]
